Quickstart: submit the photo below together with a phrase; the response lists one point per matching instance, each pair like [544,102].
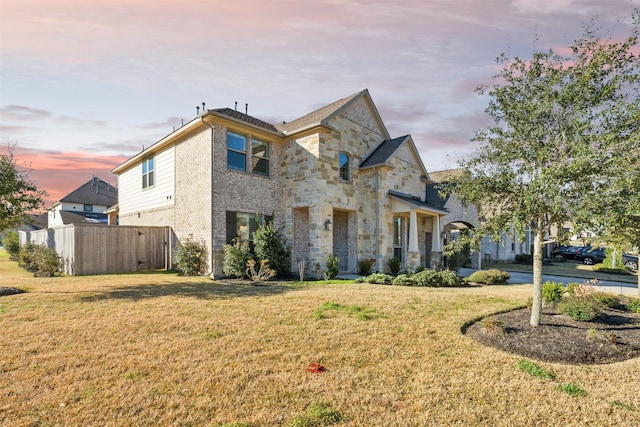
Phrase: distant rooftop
[94,192]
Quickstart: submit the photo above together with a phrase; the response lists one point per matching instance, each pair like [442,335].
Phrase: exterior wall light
[327,224]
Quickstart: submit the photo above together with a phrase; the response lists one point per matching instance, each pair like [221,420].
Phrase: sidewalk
[622,288]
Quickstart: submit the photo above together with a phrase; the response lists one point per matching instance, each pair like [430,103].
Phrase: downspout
[211,270]
[377,230]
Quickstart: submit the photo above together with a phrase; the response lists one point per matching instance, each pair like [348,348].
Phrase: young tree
[564,125]
[18,195]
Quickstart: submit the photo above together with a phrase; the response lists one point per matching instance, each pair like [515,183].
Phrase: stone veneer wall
[312,180]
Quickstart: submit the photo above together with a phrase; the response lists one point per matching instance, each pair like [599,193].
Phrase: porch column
[413,231]
[413,255]
[436,245]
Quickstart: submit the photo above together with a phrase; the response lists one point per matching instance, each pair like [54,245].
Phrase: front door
[341,238]
[428,245]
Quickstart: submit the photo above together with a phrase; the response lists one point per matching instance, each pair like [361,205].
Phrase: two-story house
[87,203]
[334,180]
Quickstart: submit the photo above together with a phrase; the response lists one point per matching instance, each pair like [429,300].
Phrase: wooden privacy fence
[106,249]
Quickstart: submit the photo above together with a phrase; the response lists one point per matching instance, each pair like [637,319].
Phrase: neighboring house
[461,216]
[334,180]
[87,203]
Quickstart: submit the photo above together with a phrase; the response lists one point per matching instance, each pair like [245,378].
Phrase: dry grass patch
[158,349]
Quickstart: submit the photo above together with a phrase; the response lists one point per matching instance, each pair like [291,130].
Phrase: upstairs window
[239,150]
[236,151]
[344,167]
[259,157]
[88,208]
[148,173]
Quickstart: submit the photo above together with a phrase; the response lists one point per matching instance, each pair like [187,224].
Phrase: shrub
[442,278]
[571,288]
[333,263]
[364,267]
[583,309]
[552,292]
[190,258]
[633,305]
[581,289]
[524,259]
[394,265]
[269,243]
[489,277]
[263,274]
[40,260]
[492,326]
[607,300]
[600,268]
[236,257]
[379,279]
[11,242]
[403,280]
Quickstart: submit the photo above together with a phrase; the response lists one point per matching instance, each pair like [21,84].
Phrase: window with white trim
[148,168]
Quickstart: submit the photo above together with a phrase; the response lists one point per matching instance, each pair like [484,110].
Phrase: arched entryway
[465,257]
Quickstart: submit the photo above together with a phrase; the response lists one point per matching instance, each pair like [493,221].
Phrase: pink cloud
[59,173]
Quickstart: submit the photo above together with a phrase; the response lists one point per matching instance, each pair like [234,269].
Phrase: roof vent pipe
[246,108]
[236,107]
[203,107]
[197,110]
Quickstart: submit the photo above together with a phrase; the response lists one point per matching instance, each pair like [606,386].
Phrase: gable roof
[94,192]
[383,152]
[323,115]
[432,194]
[415,201]
[387,148]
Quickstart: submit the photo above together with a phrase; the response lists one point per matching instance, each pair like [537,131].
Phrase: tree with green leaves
[18,195]
[565,128]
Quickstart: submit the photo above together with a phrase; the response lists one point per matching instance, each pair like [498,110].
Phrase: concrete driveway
[621,288]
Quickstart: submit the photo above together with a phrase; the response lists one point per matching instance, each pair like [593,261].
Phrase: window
[398,241]
[259,157]
[147,173]
[236,151]
[344,166]
[88,208]
[242,225]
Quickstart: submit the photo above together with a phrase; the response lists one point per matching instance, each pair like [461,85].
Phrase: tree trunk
[638,275]
[536,307]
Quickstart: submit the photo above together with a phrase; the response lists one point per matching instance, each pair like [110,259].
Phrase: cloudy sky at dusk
[86,84]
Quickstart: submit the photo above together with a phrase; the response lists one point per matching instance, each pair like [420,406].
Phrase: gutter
[211,269]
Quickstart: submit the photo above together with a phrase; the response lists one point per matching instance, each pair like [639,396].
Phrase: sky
[84,85]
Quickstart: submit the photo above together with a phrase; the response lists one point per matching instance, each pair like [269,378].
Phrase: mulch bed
[10,291]
[612,337]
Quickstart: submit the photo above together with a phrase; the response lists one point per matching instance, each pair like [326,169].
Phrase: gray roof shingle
[316,117]
[94,192]
[245,118]
[383,152]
